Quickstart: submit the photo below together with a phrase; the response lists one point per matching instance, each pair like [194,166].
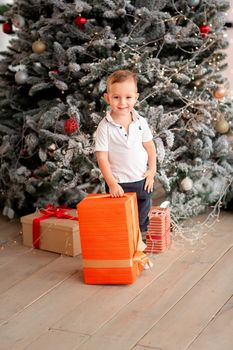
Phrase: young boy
[124,147]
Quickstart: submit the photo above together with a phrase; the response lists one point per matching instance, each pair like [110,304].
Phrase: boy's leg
[144,204]
[143,200]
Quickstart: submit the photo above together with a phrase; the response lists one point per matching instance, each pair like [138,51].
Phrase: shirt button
[120,127]
[125,134]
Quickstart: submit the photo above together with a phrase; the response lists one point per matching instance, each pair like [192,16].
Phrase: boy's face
[122,97]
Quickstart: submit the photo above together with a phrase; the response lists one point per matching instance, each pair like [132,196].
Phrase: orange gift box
[59,235]
[109,233]
[158,233]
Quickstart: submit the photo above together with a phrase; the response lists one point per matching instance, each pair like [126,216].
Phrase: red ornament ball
[7,28]
[53,74]
[70,125]
[204,29]
[80,21]
[54,71]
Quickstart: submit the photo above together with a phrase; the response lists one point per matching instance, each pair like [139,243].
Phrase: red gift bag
[158,233]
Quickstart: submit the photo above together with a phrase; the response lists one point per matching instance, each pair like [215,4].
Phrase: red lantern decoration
[80,21]
[7,27]
[70,125]
[204,29]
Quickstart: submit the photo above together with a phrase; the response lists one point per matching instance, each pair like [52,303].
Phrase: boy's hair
[119,76]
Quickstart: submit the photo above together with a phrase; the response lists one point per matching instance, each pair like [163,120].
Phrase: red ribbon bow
[50,210]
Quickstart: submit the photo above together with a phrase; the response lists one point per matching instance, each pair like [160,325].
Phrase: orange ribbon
[50,210]
[141,259]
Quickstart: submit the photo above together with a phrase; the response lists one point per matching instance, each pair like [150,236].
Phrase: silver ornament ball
[18,21]
[21,77]
[193,2]
[186,184]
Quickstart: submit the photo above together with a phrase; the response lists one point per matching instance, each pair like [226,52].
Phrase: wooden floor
[184,303]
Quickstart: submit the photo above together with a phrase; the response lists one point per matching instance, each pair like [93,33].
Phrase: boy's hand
[116,190]
[149,176]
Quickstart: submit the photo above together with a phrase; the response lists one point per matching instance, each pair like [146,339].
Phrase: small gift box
[158,233]
[53,229]
[110,239]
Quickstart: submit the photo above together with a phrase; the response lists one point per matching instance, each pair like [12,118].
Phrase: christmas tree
[53,77]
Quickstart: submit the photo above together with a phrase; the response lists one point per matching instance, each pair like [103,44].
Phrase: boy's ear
[106,97]
[137,95]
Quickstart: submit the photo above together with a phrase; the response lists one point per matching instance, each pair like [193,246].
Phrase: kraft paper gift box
[158,233]
[110,239]
[59,235]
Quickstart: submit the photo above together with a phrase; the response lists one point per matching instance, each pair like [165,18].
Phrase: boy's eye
[127,97]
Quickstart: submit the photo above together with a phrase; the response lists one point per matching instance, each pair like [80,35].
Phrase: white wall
[4,38]
[229,51]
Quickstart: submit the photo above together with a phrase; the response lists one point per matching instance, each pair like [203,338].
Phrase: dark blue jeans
[143,199]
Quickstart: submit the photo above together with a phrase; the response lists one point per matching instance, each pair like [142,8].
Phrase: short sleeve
[101,138]
[147,134]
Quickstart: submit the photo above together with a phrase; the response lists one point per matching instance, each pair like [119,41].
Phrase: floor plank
[181,325]
[219,332]
[47,305]
[20,268]
[24,293]
[11,251]
[70,295]
[29,324]
[57,340]
[127,328]
[114,298]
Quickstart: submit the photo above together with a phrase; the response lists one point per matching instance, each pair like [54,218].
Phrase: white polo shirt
[127,156]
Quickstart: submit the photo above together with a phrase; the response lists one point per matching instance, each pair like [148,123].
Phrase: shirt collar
[108,116]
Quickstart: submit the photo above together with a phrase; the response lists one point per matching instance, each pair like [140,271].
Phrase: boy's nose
[123,101]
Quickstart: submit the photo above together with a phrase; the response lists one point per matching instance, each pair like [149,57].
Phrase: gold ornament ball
[222,126]
[38,46]
[220,92]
